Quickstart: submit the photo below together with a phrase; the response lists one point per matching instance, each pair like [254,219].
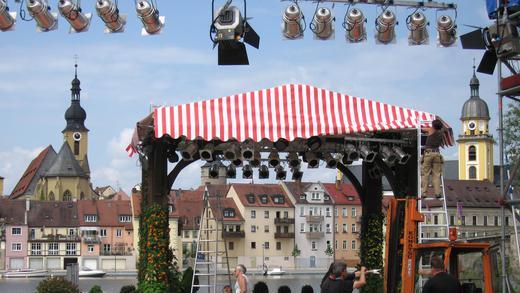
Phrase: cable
[23,13]
[311,25]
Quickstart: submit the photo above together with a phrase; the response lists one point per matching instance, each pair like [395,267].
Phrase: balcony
[283,235]
[314,219]
[234,234]
[315,235]
[282,221]
[119,251]
[56,238]
[91,240]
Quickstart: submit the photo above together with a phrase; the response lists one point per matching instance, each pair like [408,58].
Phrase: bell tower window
[76,148]
[472,172]
[472,153]
[67,196]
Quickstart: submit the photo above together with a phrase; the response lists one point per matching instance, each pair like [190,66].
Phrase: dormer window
[326,197]
[263,199]
[251,198]
[229,213]
[197,220]
[278,199]
[125,219]
[302,196]
[315,196]
[90,218]
[351,198]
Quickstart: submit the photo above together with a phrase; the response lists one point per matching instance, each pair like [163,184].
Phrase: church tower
[475,142]
[75,133]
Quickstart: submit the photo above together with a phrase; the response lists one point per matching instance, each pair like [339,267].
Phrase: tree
[329,250]
[295,253]
[56,284]
[512,135]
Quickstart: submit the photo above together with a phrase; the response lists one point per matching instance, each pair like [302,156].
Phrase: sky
[123,75]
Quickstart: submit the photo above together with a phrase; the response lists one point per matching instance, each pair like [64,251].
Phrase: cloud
[13,163]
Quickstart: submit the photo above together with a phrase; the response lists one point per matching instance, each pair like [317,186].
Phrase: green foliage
[296,252]
[186,279]
[372,251]
[329,250]
[128,289]
[152,287]
[95,289]
[512,135]
[56,285]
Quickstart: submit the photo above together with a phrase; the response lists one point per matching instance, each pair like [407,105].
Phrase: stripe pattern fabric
[289,111]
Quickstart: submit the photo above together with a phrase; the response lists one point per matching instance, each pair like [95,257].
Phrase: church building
[65,175]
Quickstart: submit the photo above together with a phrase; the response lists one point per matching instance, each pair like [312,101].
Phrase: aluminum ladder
[436,226]
[211,249]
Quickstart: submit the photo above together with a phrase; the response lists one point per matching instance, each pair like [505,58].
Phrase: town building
[1,186]
[188,204]
[13,235]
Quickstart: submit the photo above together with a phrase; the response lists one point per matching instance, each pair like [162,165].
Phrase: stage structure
[276,129]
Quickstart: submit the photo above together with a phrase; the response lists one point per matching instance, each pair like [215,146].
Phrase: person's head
[239,270]
[437,264]
[307,289]
[260,287]
[437,124]
[339,269]
[227,289]
[284,289]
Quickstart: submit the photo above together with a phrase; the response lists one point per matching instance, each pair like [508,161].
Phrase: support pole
[501,160]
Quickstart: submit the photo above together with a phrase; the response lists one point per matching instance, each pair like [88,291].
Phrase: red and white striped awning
[289,111]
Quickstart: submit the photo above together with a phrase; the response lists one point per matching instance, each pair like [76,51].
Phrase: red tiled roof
[226,203]
[107,211]
[29,173]
[136,204]
[53,214]
[297,188]
[471,193]
[243,190]
[189,207]
[13,211]
[341,195]
[120,195]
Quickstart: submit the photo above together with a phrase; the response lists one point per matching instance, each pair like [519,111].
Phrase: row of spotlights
[247,172]
[322,26]
[79,22]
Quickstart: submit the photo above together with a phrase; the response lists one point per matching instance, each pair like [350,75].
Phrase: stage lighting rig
[446,31]
[41,12]
[401,155]
[366,153]
[293,160]
[354,24]
[188,153]
[231,171]
[149,15]
[7,19]
[273,159]
[207,153]
[247,172]
[214,170]
[293,24]
[322,24]
[312,160]
[387,155]
[70,10]
[385,27]
[109,13]
[229,31]
[263,172]
[350,152]
[296,173]
[416,24]
[281,174]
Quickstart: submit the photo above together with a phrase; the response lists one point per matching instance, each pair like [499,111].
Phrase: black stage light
[281,174]
[263,172]
[214,170]
[330,161]
[401,155]
[273,159]
[293,160]
[188,153]
[387,155]
[231,171]
[296,173]
[247,172]
[312,160]
[366,153]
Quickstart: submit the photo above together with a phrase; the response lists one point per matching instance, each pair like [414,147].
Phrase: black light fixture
[247,172]
[41,12]
[416,24]
[281,144]
[255,162]
[314,143]
[312,160]
[7,19]
[71,11]
[387,155]
[296,173]
[248,150]
[214,170]
[293,24]
[172,156]
[207,153]
[230,32]
[149,15]
[273,159]
[109,13]
[188,153]
[351,152]
[293,160]
[401,155]
[237,162]
[263,172]
[330,161]
[367,154]
[232,152]
[281,174]
[231,171]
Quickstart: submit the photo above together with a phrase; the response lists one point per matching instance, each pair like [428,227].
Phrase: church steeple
[75,114]
[474,84]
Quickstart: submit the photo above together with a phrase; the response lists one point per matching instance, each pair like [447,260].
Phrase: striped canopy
[289,111]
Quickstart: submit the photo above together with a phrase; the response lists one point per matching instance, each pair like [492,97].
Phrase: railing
[91,239]
[315,235]
[55,238]
[314,219]
[117,252]
[279,221]
[283,235]
[45,252]
[234,234]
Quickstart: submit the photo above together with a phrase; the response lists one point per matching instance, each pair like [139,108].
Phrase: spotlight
[281,144]
[368,155]
[387,155]
[296,173]
[323,24]
[231,153]
[237,162]
[109,13]
[292,26]
[229,28]
[45,19]
[247,172]
[354,24]
[312,160]
[314,143]
[231,171]
[7,19]
[189,151]
[207,153]
[447,31]
[263,172]
[273,159]
[70,10]
[346,161]
[149,15]
[385,27]
[401,155]
[416,24]
[330,161]
[351,153]
[293,160]
[281,174]
[214,170]
[172,156]
[247,153]
[255,162]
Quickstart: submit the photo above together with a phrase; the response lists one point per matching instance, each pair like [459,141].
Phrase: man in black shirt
[441,282]
[432,160]
[339,281]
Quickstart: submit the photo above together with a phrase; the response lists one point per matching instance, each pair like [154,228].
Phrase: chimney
[1,186]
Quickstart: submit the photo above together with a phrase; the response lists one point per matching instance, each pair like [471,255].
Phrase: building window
[90,248]
[70,248]
[336,244]
[472,172]
[16,231]
[345,228]
[125,219]
[231,245]
[229,213]
[118,233]
[251,198]
[344,245]
[436,219]
[463,220]
[36,248]
[67,196]
[186,234]
[327,212]
[353,212]
[344,212]
[474,220]
[90,218]
[253,228]
[354,228]
[302,227]
[263,199]
[496,220]
[103,232]
[266,228]
[302,211]
[54,248]
[327,228]
[278,245]
[278,199]
[76,148]
[266,245]
[16,246]
[353,244]
[72,232]
[315,196]
[195,233]
[336,227]
[452,220]
[485,220]
[253,214]
[285,214]
[266,214]
[106,248]
[335,212]
[507,221]
[253,245]
[472,153]
[313,245]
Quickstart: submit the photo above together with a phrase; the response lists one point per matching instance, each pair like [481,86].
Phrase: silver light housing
[385,27]
[292,26]
[367,154]
[401,155]
[323,24]
[109,13]
[417,24]
[446,31]
[149,15]
[79,22]
[387,155]
[188,153]
[355,26]
[45,19]
[7,19]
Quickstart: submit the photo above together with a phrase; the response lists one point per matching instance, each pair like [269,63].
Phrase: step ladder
[211,249]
